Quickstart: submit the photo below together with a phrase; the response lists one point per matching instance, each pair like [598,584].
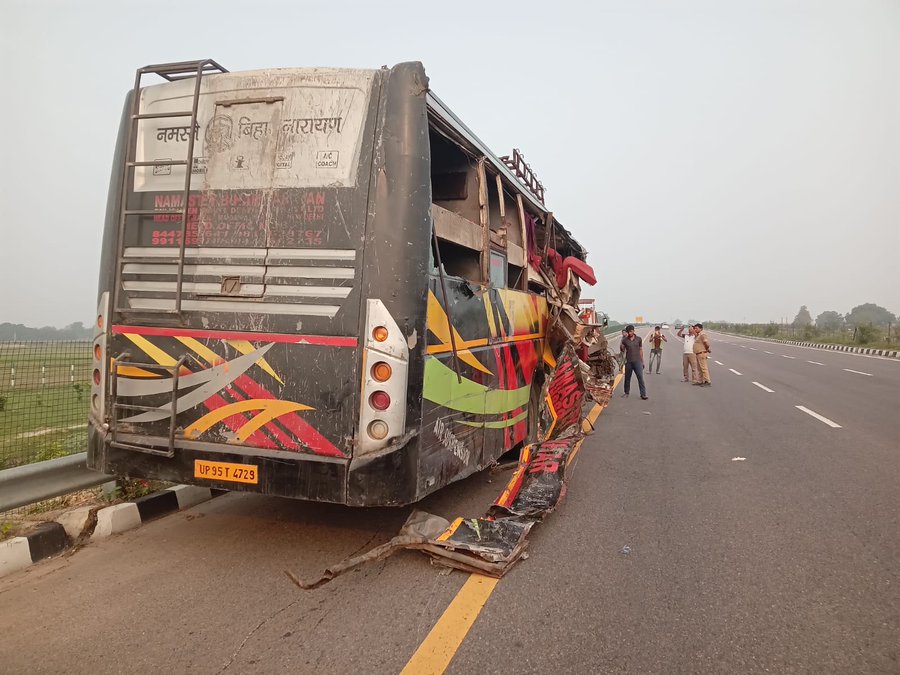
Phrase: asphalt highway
[718,529]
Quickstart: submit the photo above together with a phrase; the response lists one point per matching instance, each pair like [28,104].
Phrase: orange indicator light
[381,371]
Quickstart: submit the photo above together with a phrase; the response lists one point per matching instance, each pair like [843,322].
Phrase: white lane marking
[720,363]
[764,388]
[858,372]
[768,352]
[753,349]
[816,362]
[738,459]
[734,371]
[784,356]
[819,417]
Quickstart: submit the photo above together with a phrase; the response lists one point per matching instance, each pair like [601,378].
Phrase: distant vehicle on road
[665,326]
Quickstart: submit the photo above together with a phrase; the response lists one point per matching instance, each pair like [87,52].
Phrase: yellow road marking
[442,642]
[439,647]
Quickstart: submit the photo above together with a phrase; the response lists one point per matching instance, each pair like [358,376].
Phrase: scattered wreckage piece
[491,545]
[418,531]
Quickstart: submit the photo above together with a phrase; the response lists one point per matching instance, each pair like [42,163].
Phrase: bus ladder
[168,71]
[175,371]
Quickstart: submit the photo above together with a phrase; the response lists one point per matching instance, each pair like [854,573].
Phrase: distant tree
[771,330]
[866,333]
[870,313]
[803,317]
[810,332]
[18,332]
[829,320]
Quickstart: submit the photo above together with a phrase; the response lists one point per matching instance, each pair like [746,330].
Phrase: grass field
[44,394]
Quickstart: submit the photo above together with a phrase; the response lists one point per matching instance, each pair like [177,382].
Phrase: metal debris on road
[491,545]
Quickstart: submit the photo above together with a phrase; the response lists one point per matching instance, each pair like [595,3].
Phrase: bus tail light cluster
[385,358]
[99,362]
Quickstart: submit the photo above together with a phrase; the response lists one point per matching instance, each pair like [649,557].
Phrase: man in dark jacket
[633,348]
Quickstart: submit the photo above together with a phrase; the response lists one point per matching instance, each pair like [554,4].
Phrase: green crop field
[44,398]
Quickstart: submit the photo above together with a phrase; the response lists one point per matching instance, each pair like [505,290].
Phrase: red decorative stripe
[293,423]
[512,382]
[258,438]
[319,340]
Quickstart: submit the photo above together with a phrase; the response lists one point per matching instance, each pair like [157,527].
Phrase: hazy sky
[719,159]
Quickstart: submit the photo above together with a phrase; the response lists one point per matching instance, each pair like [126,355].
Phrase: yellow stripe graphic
[269,410]
[151,350]
[244,347]
[438,324]
[489,312]
[132,371]
[450,530]
[211,357]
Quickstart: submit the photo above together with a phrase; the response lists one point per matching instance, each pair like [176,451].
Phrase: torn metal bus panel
[540,482]
[563,396]
[481,545]
[320,284]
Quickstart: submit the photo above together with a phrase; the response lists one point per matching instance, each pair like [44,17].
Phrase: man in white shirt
[688,358]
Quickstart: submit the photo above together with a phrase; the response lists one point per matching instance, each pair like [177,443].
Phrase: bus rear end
[235,348]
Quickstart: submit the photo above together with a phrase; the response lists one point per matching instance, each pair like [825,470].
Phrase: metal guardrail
[23,485]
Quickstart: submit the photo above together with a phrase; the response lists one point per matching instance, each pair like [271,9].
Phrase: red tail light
[380,400]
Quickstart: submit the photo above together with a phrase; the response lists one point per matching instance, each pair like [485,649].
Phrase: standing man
[656,343]
[688,358]
[701,349]
[633,348]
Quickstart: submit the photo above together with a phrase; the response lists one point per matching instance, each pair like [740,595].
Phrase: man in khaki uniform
[701,351]
[688,358]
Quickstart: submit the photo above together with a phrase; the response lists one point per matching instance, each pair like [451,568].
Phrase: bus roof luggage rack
[528,178]
[180,70]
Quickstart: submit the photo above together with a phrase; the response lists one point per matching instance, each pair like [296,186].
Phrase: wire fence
[44,396]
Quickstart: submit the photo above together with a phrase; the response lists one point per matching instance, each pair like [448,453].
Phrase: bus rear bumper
[237,468]
[385,480]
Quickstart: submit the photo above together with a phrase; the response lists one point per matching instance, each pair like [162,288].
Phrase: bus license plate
[234,473]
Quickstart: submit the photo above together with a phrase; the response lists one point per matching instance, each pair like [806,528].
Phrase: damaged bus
[320,284]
